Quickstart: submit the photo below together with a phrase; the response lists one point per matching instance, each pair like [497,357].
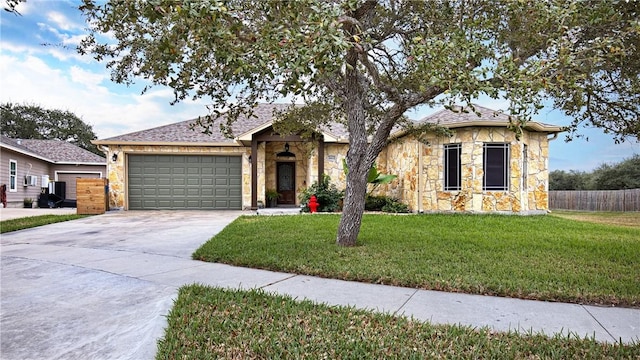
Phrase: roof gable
[54,151]
[188,132]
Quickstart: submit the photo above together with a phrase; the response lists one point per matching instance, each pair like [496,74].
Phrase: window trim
[525,166]
[13,175]
[505,166]
[457,148]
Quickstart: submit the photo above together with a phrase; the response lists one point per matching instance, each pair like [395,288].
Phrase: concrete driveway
[100,288]
[85,289]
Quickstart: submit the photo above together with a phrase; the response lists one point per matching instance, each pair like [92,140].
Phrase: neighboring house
[29,165]
[481,168]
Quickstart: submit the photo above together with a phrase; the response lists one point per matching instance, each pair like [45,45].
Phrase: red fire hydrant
[313,204]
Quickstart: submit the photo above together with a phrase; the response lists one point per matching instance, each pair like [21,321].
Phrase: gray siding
[26,166]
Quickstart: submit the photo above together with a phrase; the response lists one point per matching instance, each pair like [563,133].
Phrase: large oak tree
[368,62]
[25,121]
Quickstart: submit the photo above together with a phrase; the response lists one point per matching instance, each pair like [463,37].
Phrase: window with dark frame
[452,167]
[496,167]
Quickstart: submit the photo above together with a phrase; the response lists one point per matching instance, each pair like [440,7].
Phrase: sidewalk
[606,324]
[101,287]
[13,213]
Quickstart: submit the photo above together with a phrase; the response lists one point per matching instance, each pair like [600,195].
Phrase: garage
[185,182]
[69,178]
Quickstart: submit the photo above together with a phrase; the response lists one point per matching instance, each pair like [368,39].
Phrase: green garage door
[184,182]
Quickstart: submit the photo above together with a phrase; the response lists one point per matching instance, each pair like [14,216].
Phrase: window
[13,175]
[496,167]
[525,166]
[452,177]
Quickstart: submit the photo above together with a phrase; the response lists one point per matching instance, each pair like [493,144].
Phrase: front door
[286,176]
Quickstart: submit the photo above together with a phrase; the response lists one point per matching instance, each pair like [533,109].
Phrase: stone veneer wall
[401,158]
[423,189]
[333,156]
[301,160]
[117,170]
[307,164]
[420,187]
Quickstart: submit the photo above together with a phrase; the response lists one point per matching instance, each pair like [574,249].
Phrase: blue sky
[57,77]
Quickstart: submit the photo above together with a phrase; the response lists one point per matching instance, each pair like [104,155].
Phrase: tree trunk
[353,207]
[358,158]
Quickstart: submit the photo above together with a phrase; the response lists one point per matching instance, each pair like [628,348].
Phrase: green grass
[208,323]
[631,218]
[535,257]
[34,221]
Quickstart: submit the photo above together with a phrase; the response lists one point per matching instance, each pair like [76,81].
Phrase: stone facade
[420,170]
[117,169]
[301,161]
[418,164]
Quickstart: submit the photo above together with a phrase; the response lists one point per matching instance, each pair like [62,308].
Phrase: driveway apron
[83,289]
[101,287]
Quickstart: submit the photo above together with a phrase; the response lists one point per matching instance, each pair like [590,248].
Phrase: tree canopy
[620,176]
[623,175]
[34,122]
[368,62]
[570,180]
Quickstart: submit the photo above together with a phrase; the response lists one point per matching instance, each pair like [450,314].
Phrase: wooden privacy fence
[595,200]
[92,196]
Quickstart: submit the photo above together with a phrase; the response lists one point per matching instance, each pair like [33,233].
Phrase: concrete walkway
[14,213]
[100,288]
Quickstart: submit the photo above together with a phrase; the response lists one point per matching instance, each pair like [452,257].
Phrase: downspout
[555,136]
[420,169]
[105,150]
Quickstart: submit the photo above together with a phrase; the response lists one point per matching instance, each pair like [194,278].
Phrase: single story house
[29,166]
[481,168]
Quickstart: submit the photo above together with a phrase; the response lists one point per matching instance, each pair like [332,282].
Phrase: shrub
[395,206]
[327,194]
[375,203]
[384,204]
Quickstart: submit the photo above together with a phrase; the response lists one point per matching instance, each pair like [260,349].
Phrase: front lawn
[630,218]
[534,257]
[34,221]
[208,323]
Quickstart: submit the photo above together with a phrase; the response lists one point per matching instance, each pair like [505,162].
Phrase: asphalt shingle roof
[184,132]
[447,117]
[54,150]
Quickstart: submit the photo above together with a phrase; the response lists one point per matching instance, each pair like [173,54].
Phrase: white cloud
[63,48]
[9,48]
[74,40]
[61,21]
[25,8]
[109,108]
